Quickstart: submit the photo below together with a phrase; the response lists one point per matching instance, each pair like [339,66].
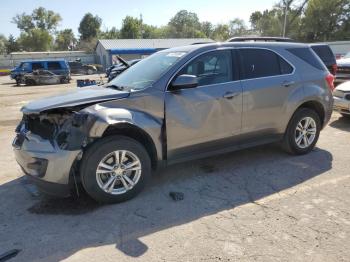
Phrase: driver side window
[211,68]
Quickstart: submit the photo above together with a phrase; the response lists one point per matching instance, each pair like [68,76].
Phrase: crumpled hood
[81,96]
[343,62]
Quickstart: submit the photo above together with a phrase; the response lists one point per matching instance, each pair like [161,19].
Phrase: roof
[109,44]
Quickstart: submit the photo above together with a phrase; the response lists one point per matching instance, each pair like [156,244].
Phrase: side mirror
[184,81]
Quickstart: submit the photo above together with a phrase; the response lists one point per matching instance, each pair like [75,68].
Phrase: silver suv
[178,104]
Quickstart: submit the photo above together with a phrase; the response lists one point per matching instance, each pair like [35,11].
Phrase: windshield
[147,71]
[347,55]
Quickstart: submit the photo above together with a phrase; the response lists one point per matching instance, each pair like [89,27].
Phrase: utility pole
[285,19]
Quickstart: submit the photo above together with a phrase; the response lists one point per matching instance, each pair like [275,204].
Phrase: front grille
[42,128]
[343,69]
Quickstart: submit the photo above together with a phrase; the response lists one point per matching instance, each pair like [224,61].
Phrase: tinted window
[37,65]
[53,65]
[308,56]
[262,63]
[211,68]
[285,67]
[325,53]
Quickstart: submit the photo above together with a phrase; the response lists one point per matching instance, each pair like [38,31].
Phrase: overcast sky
[112,12]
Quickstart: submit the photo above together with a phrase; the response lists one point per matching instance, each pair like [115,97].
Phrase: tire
[104,149]
[292,134]
[30,82]
[89,72]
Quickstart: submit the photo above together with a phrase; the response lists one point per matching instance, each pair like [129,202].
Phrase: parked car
[44,77]
[175,105]
[343,71]
[341,96]
[58,67]
[326,54]
[77,67]
[121,68]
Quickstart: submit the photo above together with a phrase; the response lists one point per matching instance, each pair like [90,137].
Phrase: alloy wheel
[118,172]
[305,132]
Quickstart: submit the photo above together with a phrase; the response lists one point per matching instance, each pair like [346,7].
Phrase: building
[130,49]
[13,59]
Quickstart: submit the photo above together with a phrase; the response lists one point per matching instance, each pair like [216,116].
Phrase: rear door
[268,80]
[207,117]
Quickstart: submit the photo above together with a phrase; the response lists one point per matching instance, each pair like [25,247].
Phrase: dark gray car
[178,104]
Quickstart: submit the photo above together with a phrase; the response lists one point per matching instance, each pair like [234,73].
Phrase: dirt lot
[255,205]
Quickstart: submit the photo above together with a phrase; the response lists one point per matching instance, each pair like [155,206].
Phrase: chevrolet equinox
[177,104]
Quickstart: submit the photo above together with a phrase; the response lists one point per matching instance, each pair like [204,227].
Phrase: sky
[112,12]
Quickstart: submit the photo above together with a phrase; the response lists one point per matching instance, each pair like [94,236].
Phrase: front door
[206,117]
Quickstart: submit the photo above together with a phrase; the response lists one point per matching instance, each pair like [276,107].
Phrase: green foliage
[110,34]
[185,25]
[40,18]
[12,45]
[65,40]
[327,20]
[3,43]
[35,40]
[89,27]
[131,28]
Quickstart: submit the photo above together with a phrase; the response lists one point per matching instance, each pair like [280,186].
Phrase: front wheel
[115,169]
[302,132]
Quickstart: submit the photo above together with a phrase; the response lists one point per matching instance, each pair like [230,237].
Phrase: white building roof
[109,44]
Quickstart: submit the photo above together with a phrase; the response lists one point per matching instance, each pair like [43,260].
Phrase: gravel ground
[254,205]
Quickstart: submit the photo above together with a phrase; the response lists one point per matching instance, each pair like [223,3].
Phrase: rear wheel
[115,169]
[90,71]
[30,82]
[302,132]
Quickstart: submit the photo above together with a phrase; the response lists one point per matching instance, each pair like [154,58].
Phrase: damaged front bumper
[47,165]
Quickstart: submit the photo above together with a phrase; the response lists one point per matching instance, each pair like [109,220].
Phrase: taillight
[330,81]
[334,69]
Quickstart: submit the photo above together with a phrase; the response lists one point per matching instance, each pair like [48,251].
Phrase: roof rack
[260,39]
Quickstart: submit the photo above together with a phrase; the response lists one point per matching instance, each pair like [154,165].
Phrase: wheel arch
[317,107]
[136,133]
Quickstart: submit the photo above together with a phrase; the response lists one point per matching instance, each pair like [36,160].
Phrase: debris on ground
[176,196]
[9,254]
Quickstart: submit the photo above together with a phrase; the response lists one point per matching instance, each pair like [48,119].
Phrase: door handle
[288,83]
[230,95]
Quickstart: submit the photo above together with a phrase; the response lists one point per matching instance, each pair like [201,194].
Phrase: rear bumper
[47,165]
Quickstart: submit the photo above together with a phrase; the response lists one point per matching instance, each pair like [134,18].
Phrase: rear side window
[53,65]
[325,53]
[308,56]
[37,65]
[211,68]
[258,63]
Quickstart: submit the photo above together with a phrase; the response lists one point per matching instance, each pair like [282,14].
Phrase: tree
[327,20]
[12,45]
[35,40]
[237,27]
[89,26]
[40,18]
[131,28]
[185,25]
[65,40]
[110,34]
[207,28]
[221,32]
[36,29]
[3,43]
